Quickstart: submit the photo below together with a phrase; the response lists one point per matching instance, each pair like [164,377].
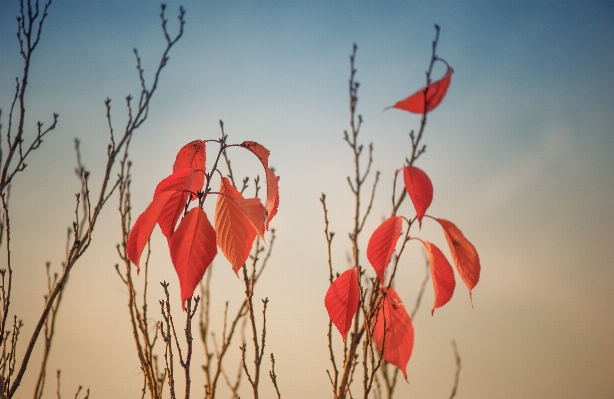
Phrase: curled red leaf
[192,155]
[144,225]
[192,250]
[341,300]
[382,243]
[464,255]
[183,181]
[441,274]
[419,188]
[434,92]
[272,181]
[393,332]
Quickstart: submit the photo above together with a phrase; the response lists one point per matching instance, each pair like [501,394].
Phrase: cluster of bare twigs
[88,207]
[377,374]
[87,210]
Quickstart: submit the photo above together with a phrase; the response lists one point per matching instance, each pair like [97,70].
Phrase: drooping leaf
[272,181]
[393,332]
[341,300]
[192,155]
[182,182]
[144,225]
[464,255]
[434,94]
[419,188]
[441,274]
[192,250]
[237,220]
[382,243]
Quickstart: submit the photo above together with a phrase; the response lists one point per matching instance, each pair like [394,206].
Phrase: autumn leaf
[419,188]
[464,255]
[192,155]
[182,182]
[382,243]
[341,300]
[272,181]
[441,274]
[397,341]
[434,94]
[237,221]
[144,225]
[192,250]
[165,209]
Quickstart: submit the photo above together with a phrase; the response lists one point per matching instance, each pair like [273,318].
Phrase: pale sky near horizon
[520,152]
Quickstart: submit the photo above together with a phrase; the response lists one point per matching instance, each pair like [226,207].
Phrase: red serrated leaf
[419,188]
[434,94]
[237,220]
[192,250]
[464,255]
[144,225]
[181,181]
[192,155]
[272,181]
[398,339]
[441,274]
[382,243]
[341,300]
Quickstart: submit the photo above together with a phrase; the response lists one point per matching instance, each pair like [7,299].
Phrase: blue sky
[519,152]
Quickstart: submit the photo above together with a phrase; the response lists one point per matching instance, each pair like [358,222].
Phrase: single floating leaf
[272,181]
[441,274]
[192,250]
[434,94]
[341,300]
[420,190]
[237,220]
[464,255]
[382,243]
[397,341]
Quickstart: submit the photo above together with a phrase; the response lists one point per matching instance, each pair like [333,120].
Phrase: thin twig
[458,369]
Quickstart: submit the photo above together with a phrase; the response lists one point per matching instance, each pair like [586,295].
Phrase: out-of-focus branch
[458,369]
[82,233]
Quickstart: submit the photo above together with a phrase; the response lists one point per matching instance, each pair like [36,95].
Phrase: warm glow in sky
[520,152]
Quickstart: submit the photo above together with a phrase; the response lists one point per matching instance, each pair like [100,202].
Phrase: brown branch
[274,376]
[458,369]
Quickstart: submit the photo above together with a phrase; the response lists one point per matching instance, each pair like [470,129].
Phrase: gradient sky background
[520,152]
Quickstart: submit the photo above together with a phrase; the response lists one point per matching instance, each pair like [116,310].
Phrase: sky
[519,152]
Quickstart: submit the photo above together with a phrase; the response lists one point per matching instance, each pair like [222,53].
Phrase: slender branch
[82,236]
[274,376]
[458,369]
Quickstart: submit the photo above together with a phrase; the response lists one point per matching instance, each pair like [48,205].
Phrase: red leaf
[237,220]
[272,181]
[398,340]
[192,250]
[464,255]
[182,182]
[441,274]
[434,94]
[341,300]
[144,225]
[192,155]
[419,188]
[382,243]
